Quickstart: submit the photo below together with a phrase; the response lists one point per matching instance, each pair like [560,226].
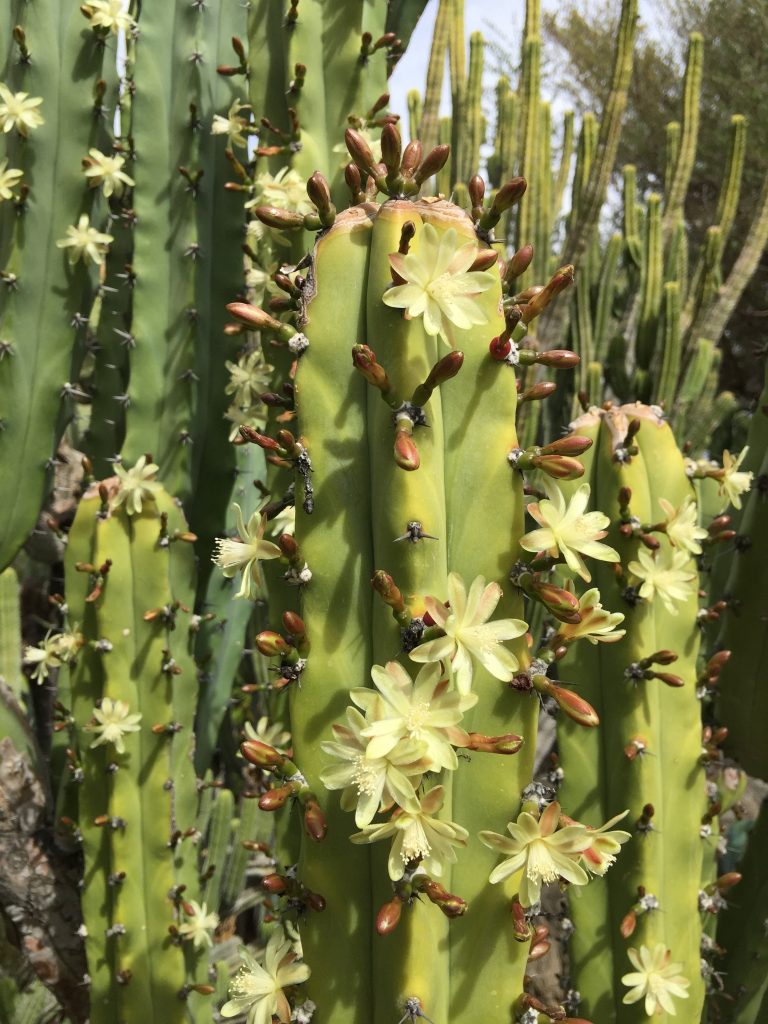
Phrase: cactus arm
[606,295]
[38,363]
[215,862]
[667,383]
[651,285]
[457,65]
[687,149]
[474,109]
[529,138]
[430,116]
[671,153]
[336,608]
[10,633]
[564,166]
[544,219]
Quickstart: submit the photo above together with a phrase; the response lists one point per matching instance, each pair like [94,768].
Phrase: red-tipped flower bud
[433,162]
[500,348]
[509,743]
[387,590]
[364,361]
[388,916]
[253,317]
[559,467]
[536,392]
[574,444]
[560,280]
[276,217]
[271,644]
[562,603]
[314,820]
[261,754]
[559,358]
[276,798]
[275,884]
[406,452]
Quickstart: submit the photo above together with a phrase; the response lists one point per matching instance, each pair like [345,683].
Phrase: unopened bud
[536,392]
[354,182]
[562,603]
[559,358]
[443,370]
[319,192]
[287,544]
[558,467]
[275,884]
[433,162]
[509,743]
[253,317]
[360,151]
[276,217]
[559,281]
[574,444]
[411,158]
[628,924]
[664,657]
[294,624]
[575,707]
[406,452]
[314,820]
[668,679]
[716,662]
[518,263]
[728,880]
[390,594]
[388,916]
[391,148]
[364,361]
[275,799]
[508,195]
[261,754]
[485,259]
[271,644]
[718,524]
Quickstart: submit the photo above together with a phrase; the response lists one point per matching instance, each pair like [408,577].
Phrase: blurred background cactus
[236,580]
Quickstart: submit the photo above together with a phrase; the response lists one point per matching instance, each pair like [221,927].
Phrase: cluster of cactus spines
[133,694]
[64,73]
[646,751]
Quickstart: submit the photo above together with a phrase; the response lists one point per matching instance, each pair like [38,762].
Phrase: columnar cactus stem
[675,197]
[430,116]
[649,731]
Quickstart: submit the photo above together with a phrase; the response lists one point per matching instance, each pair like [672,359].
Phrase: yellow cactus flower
[85,243]
[18,110]
[244,555]
[257,989]
[655,979]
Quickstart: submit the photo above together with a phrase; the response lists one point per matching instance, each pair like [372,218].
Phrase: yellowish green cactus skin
[130,577]
[646,751]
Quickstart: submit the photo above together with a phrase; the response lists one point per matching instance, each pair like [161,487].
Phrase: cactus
[648,744]
[133,710]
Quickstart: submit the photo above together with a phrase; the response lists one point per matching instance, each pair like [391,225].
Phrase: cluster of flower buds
[402,170]
[292,649]
[294,785]
[643,669]
[298,896]
[556,459]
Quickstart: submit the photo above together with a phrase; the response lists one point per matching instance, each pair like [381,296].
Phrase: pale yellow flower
[597,624]
[257,989]
[568,529]
[199,925]
[19,111]
[682,525]
[655,979]
[85,243]
[112,722]
[43,658]
[543,852]
[105,170]
[605,843]
[735,482]
[468,634]
[664,576]
[425,712]
[371,784]
[232,125]
[109,14]
[244,555]
[274,734]
[287,190]
[438,284]
[248,377]
[136,485]
[284,522]
[418,836]
[9,179]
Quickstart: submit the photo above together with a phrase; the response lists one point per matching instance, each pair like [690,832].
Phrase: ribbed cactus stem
[671,153]
[675,197]
[430,116]
[651,285]
[631,221]
[605,296]
[666,388]
[564,166]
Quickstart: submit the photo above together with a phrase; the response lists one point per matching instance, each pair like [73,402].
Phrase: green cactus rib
[336,609]
[215,464]
[529,164]
[10,633]
[408,353]
[149,800]
[675,196]
[564,166]
[671,153]
[606,296]
[666,719]
[167,73]
[651,285]
[457,62]
[36,323]
[486,964]
[672,346]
